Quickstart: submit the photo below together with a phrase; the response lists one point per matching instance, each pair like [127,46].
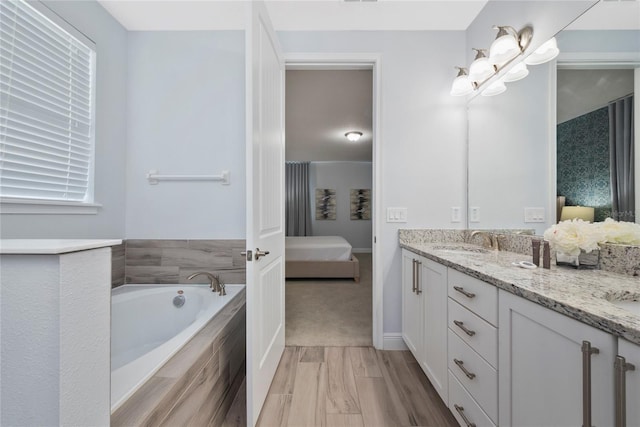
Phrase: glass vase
[584,260]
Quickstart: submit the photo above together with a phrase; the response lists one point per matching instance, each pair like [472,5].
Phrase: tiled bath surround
[172,261]
[622,259]
[117,265]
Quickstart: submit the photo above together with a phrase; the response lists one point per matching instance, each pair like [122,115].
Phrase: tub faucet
[216,284]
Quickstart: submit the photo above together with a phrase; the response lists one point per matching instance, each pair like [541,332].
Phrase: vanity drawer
[476,295]
[483,387]
[480,335]
[462,404]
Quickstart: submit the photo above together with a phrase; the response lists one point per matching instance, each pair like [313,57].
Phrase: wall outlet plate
[456,214]
[534,215]
[474,214]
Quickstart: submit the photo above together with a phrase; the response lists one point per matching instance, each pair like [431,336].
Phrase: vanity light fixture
[462,84]
[495,88]
[481,68]
[505,50]
[518,72]
[353,135]
[544,53]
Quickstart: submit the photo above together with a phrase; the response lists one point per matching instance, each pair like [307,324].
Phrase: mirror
[512,149]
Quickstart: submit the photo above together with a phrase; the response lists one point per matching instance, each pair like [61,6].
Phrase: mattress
[317,248]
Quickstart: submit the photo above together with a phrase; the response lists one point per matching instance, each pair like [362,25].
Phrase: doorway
[326,98]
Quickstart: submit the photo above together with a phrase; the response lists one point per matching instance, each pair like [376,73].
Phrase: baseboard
[361,250]
[394,341]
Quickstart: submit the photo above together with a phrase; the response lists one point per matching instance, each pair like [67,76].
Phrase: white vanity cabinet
[553,370]
[472,350]
[424,316]
[627,384]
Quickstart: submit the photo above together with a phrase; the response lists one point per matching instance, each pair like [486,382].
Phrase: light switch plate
[474,214]
[534,215]
[396,214]
[456,214]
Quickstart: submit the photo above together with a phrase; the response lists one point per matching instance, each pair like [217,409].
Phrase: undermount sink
[628,301]
[462,250]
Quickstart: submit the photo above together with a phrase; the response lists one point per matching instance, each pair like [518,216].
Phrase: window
[47,120]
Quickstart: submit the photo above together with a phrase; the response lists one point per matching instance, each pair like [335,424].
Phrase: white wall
[342,177]
[186,116]
[423,132]
[111,45]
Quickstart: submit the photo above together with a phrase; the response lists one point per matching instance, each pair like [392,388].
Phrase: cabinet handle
[463,292]
[621,367]
[587,351]
[418,264]
[460,410]
[460,364]
[413,274]
[467,331]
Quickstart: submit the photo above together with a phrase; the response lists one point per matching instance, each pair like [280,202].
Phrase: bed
[320,257]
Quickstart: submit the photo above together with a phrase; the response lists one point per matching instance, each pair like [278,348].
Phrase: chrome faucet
[492,240]
[216,284]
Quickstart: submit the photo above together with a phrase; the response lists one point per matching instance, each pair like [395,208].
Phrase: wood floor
[349,386]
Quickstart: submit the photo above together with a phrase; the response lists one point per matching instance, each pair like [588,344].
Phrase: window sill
[46,207]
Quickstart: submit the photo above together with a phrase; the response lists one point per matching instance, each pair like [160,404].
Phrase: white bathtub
[147,329]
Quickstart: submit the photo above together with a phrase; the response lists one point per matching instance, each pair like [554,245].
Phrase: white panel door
[265,206]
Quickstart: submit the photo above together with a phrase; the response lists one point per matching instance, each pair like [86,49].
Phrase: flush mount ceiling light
[353,135]
[462,85]
[481,68]
[544,53]
[495,88]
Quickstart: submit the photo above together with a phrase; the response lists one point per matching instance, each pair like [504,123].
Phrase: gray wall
[342,177]
[111,93]
[423,133]
[186,106]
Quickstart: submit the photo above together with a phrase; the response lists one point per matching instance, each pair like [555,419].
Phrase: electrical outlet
[474,214]
[396,214]
[534,215]
[456,214]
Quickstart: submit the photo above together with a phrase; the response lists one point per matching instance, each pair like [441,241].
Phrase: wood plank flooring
[351,386]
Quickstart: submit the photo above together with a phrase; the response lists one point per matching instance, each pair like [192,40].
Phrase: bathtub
[147,329]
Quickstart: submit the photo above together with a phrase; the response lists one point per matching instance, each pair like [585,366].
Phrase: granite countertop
[580,294]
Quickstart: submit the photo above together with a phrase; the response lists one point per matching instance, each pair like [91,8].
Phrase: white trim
[552,147]
[595,60]
[11,206]
[394,341]
[351,61]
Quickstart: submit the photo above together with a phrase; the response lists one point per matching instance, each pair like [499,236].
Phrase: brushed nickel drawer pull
[467,331]
[621,367]
[463,292]
[460,364]
[587,351]
[418,290]
[413,284]
[460,410]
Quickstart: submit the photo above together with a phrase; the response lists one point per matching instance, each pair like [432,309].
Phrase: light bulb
[481,69]
[353,135]
[505,47]
[462,84]
[544,53]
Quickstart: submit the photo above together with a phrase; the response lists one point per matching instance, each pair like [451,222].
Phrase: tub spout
[215,284]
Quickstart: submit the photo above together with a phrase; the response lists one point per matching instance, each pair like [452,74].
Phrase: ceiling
[321,106]
[334,15]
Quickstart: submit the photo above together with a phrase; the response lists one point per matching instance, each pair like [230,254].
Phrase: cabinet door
[411,306]
[540,369]
[433,285]
[631,353]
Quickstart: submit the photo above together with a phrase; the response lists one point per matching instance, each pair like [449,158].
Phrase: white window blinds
[46,110]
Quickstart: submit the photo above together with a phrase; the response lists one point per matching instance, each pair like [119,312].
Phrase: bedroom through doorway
[329,206]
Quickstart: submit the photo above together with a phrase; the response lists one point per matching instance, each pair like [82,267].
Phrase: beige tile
[364,362]
[192,258]
[143,256]
[151,275]
[342,396]
[376,404]
[286,373]
[275,411]
[141,404]
[345,420]
[237,414]
[156,243]
[312,354]
[309,396]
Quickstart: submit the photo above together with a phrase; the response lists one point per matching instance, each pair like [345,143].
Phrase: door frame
[359,61]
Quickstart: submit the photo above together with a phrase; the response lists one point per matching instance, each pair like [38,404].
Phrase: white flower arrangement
[573,236]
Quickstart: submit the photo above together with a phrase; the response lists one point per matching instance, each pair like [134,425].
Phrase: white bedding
[317,248]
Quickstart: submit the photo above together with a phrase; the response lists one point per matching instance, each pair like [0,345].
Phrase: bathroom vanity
[506,346]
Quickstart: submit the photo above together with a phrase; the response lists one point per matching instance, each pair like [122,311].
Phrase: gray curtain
[621,154]
[298,203]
